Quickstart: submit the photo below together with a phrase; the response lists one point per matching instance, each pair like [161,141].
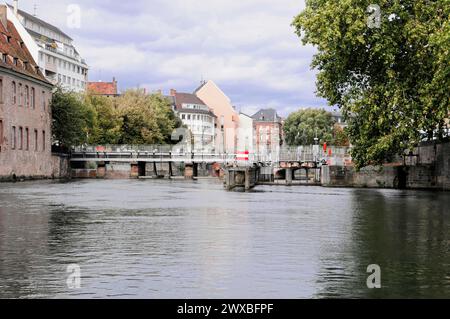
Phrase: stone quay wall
[426,167]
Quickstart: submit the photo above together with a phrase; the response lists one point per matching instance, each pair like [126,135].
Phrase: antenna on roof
[35,10]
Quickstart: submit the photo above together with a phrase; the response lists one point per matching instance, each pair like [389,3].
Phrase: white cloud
[248,47]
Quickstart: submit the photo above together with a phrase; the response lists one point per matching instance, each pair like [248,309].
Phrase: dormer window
[5,58]
[16,61]
[36,68]
[8,38]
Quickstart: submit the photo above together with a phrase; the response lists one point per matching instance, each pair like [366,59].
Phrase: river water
[182,239]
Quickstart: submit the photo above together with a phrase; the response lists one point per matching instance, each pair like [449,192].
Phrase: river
[184,239]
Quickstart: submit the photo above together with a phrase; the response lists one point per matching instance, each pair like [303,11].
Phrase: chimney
[173,92]
[4,16]
[16,7]
[115,85]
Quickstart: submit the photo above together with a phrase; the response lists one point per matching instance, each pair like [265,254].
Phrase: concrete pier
[241,177]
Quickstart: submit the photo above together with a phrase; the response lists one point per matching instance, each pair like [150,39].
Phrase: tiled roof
[18,58]
[103,88]
[266,115]
[187,98]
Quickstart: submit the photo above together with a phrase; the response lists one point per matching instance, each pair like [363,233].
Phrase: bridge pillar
[189,170]
[289,176]
[134,170]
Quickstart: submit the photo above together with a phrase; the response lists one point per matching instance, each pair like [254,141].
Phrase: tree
[106,128]
[393,78]
[340,137]
[146,119]
[303,126]
[71,119]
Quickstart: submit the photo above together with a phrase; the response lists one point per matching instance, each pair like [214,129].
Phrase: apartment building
[52,49]
[198,118]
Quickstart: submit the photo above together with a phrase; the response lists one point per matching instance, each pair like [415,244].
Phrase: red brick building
[268,133]
[108,89]
[25,115]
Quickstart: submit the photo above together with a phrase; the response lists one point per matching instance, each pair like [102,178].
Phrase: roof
[266,115]
[41,22]
[103,88]
[15,48]
[187,98]
[203,83]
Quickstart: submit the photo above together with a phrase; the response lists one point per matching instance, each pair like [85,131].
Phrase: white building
[245,134]
[52,49]
[198,118]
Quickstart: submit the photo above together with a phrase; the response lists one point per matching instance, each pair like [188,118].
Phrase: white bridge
[165,154]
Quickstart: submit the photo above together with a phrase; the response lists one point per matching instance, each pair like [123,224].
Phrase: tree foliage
[71,119]
[393,79]
[133,118]
[303,126]
[146,119]
[107,120]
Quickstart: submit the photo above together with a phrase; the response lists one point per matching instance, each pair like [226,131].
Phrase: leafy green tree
[393,78]
[146,119]
[106,128]
[303,126]
[72,120]
[340,137]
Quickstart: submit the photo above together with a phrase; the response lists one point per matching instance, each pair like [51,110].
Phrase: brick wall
[25,149]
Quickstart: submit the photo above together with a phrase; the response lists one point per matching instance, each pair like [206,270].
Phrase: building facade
[25,115]
[245,138]
[227,118]
[268,133]
[198,118]
[108,89]
[53,50]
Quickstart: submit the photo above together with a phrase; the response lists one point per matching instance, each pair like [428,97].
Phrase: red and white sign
[242,156]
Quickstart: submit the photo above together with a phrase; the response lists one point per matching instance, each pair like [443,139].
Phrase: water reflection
[151,239]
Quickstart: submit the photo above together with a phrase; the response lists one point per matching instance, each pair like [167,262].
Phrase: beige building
[227,117]
[25,115]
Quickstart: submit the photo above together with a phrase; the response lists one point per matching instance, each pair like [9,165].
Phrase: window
[1,91]
[20,94]
[20,138]
[35,140]
[13,92]
[5,58]
[1,134]
[27,139]
[43,140]
[33,105]
[27,96]
[43,100]
[13,138]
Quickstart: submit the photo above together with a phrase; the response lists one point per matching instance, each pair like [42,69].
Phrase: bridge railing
[307,153]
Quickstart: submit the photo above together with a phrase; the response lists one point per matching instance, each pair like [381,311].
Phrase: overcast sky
[247,47]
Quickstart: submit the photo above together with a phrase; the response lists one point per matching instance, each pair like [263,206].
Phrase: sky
[247,47]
